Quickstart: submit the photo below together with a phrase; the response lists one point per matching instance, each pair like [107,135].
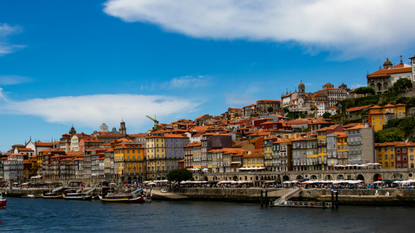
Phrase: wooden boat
[125,198]
[3,201]
[133,197]
[51,195]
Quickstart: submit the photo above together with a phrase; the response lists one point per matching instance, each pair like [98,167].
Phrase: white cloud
[346,28]
[239,101]
[92,110]
[188,82]
[5,31]
[357,85]
[13,79]
[245,98]
[183,82]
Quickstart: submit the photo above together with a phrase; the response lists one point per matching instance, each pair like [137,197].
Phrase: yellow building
[342,148]
[322,147]
[268,160]
[379,116]
[129,161]
[254,159]
[163,154]
[385,154]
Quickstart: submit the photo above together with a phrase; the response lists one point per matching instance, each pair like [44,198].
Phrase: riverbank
[366,197]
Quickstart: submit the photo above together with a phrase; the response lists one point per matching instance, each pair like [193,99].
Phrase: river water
[39,215]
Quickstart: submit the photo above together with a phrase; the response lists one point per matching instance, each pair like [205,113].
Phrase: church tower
[387,64]
[301,90]
[123,129]
[72,131]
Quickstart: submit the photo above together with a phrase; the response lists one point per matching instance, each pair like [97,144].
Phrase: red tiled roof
[387,72]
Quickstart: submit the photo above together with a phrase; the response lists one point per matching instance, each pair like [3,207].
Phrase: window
[386,156]
[391,156]
[398,158]
[392,164]
[404,150]
[386,164]
[405,158]
[398,150]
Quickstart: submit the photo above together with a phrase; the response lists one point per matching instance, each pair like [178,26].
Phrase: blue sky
[89,62]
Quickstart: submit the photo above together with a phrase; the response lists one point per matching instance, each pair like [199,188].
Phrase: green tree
[402,84]
[407,126]
[326,115]
[179,175]
[270,109]
[286,110]
[365,90]
[385,136]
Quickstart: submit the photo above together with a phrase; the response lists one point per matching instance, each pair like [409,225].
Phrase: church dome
[387,62]
[301,84]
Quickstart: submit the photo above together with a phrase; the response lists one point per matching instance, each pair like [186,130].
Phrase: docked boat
[51,195]
[54,194]
[3,201]
[134,197]
[78,194]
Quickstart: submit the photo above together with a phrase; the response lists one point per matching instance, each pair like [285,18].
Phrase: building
[13,168]
[163,153]
[383,79]
[129,162]
[282,155]
[360,141]
[385,154]
[263,105]
[379,116]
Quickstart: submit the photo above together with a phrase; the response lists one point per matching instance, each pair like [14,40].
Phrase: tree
[402,84]
[179,175]
[407,125]
[365,90]
[384,136]
[270,109]
[286,110]
[326,115]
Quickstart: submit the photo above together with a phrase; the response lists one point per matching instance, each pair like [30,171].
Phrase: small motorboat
[3,201]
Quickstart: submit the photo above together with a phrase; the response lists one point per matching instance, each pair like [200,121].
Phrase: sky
[84,63]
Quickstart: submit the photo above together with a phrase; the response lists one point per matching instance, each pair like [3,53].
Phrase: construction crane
[155,121]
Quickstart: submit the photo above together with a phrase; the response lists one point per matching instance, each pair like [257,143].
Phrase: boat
[148,195]
[53,194]
[3,201]
[78,194]
[133,197]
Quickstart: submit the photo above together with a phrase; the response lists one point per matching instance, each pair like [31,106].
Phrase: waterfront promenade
[383,196]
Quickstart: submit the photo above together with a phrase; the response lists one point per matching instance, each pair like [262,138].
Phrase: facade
[282,155]
[360,141]
[385,154]
[383,79]
[163,154]
[129,162]
[378,116]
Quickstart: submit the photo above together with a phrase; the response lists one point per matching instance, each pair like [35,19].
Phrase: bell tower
[123,129]
[301,90]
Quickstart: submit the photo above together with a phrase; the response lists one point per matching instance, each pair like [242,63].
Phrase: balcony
[354,143]
[355,152]
[321,144]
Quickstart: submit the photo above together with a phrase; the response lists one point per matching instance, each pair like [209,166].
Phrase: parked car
[163,191]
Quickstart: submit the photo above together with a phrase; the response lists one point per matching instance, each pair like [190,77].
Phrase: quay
[372,197]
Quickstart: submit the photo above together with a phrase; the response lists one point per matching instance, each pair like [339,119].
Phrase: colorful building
[129,162]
